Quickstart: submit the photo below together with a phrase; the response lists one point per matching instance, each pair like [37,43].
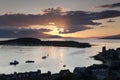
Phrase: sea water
[56,56]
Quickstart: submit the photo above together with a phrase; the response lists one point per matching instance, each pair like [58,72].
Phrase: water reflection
[77,52]
[56,56]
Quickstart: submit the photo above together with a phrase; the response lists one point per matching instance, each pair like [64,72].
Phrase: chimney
[104,49]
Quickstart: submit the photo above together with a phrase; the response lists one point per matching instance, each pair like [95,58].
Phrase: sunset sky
[59,18]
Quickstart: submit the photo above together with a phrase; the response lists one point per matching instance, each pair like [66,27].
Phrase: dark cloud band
[109,5]
[74,20]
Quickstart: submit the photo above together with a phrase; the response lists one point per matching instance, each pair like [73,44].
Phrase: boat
[14,62]
[29,61]
[64,65]
[44,57]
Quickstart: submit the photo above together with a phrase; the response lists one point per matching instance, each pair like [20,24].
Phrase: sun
[56,30]
[61,29]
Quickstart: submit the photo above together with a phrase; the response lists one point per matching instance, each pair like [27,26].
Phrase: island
[111,37]
[37,42]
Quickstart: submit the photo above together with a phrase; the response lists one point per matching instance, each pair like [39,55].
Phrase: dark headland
[38,42]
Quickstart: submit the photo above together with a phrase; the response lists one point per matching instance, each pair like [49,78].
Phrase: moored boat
[14,62]
[29,61]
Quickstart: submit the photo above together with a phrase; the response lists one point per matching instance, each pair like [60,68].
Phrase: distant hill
[112,37]
[38,42]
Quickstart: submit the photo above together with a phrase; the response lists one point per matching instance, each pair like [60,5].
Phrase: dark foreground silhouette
[38,42]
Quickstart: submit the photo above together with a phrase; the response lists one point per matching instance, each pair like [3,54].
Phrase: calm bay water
[57,56]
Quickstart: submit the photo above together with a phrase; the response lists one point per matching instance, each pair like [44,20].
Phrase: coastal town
[59,39]
[108,70]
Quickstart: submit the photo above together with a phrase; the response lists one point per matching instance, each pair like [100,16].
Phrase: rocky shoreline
[108,70]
